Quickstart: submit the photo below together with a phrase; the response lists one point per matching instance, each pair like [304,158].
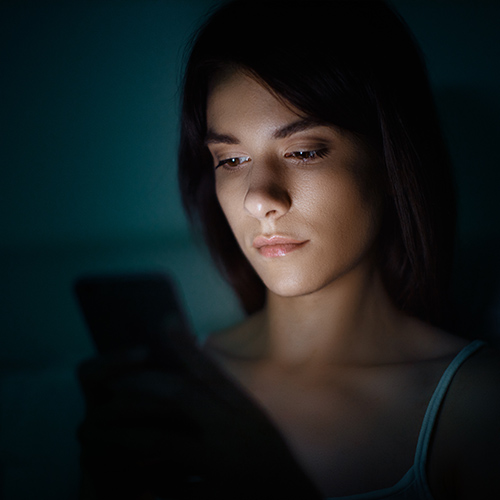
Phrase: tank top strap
[432,411]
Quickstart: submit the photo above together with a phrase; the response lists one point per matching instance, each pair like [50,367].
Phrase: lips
[276,246]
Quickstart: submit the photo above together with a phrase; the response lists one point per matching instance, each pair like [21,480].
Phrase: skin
[330,358]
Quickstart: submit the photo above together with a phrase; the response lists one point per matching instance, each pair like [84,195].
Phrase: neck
[345,322]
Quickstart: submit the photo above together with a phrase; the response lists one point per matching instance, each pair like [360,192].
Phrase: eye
[305,156]
[231,163]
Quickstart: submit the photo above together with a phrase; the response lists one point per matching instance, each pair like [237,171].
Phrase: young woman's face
[293,190]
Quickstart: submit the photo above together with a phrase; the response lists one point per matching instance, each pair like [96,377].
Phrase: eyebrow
[298,126]
[213,137]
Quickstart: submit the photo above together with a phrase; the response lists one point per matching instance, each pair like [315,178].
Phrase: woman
[311,158]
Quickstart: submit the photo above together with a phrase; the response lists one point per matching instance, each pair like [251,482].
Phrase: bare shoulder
[466,450]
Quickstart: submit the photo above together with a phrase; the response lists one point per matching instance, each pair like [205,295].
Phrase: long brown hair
[353,64]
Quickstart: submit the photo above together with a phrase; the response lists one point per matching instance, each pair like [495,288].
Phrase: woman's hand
[166,420]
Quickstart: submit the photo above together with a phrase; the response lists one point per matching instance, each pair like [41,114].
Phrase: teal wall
[461,42]
[89,151]
[87,156]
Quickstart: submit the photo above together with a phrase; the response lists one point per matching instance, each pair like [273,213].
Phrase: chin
[304,280]
[287,289]
[294,284]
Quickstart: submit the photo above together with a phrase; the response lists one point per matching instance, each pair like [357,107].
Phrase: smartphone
[126,311]
[143,310]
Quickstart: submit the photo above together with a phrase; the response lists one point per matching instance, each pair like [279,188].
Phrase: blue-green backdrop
[89,101]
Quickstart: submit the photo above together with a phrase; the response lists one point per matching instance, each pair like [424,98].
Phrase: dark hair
[355,65]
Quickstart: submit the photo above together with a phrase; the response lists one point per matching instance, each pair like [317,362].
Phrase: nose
[267,197]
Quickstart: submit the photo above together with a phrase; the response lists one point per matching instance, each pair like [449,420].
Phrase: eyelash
[313,154]
[224,163]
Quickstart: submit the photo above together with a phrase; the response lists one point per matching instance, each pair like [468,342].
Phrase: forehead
[240,105]
[239,95]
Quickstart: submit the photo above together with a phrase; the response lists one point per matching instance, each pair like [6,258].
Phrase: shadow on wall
[472,125]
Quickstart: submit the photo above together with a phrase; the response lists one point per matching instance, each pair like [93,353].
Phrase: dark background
[89,101]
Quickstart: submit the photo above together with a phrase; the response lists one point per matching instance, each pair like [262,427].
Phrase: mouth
[277,246]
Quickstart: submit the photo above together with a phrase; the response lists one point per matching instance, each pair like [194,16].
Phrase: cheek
[343,211]
[229,201]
